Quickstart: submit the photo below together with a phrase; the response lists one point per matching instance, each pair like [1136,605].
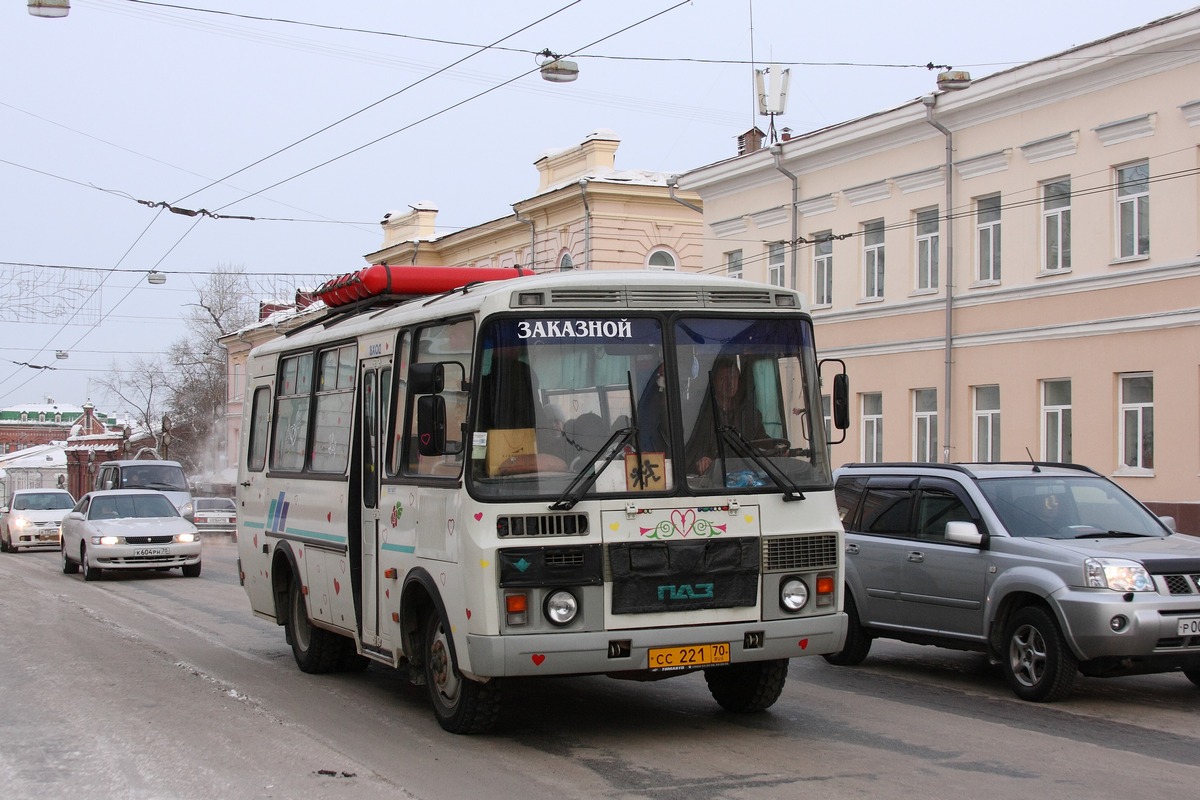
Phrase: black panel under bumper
[649,577]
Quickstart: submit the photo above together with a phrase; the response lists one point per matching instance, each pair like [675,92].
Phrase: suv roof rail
[966,469]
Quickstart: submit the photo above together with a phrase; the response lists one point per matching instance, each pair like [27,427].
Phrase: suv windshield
[1067,507]
[571,407]
[154,476]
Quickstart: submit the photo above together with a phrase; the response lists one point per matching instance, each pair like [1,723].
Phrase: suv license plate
[152,551]
[688,656]
[1189,626]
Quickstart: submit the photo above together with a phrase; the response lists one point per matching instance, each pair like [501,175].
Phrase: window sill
[822,306]
[862,301]
[923,292]
[1050,273]
[983,284]
[1133,472]
[1116,262]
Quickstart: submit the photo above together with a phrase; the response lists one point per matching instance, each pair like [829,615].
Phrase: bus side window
[399,404]
[449,344]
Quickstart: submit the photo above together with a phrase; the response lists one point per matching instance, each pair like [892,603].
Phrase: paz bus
[472,474]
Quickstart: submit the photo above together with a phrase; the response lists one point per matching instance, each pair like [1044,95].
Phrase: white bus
[473,476]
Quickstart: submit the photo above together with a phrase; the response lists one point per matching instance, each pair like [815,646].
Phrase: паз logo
[686,591]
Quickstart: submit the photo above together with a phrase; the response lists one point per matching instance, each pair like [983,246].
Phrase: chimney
[750,142]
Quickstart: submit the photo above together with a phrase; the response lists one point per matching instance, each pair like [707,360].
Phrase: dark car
[1051,569]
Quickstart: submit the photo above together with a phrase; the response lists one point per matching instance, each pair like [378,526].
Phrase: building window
[823,269]
[733,263]
[42,416]
[987,237]
[1056,420]
[1056,225]
[565,264]
[661,260]
[1133,210]
[58,418]
[775,252]
[1137,420]
[927,249]
[925,421]
[872,427]
[827,414]
[873,259]
[24,416]
[987,423]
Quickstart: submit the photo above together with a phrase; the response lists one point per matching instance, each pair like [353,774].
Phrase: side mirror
[1168,521]
[839,397]
[962,532]
[431,425]
[427,378]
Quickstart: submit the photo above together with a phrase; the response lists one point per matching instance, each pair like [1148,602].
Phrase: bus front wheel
[460,704]
[747,688]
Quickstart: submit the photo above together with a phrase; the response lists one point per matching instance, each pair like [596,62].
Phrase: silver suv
[1051,569]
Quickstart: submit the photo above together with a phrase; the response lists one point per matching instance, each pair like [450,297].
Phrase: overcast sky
[124,101]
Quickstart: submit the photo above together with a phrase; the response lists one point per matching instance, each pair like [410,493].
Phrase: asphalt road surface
[155,686]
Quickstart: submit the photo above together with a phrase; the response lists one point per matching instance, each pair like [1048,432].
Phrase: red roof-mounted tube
[383,279]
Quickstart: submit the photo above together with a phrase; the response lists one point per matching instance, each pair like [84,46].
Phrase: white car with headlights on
[33,517]
[128,529]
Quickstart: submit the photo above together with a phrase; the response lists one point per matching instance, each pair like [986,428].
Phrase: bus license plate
[688,656]
[152,551]
[1189,626]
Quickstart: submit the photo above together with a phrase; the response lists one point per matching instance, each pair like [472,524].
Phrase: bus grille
[781,553]
[542,525]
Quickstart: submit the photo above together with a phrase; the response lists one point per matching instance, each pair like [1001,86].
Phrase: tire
[747,688]
[69,567]
[1192,675]
[461,705]
[858,641]
[90,573]
[316,651]
[3,543]
[1036,661]
[191,570]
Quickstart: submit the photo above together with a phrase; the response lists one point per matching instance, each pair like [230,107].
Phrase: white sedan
[123,529]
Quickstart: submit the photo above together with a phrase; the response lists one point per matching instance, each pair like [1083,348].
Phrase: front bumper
[1150,630]
[35,537]
[603,652]
[137,556]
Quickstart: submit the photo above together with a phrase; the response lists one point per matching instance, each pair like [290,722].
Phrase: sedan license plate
[152,551]
[1189,626]
[687,657]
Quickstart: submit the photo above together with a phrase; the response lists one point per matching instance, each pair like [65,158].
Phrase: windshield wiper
[1095,533]
[732,436]
[587,474]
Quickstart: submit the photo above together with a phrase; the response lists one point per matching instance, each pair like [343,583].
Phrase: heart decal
[749,518]
[387,593]
[337,586]
[329,516]
[538,658]
[683,521]
[425,438]
[468,613]
[442,578]
[256,541]
[483,562]
[450,527]
[478,516]
[803,644]
[616,526]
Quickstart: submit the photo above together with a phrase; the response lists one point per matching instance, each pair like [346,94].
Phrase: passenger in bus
[734,408]
[585,434]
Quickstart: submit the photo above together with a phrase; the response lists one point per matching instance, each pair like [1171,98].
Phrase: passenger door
[944,583]
[877,542]
[373,397]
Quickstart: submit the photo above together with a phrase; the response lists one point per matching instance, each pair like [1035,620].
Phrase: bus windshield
[573,407]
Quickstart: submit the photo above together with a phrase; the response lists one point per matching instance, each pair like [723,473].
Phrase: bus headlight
[793,594]
[560,607]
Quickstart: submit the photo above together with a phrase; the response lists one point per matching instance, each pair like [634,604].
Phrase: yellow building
[1009,269]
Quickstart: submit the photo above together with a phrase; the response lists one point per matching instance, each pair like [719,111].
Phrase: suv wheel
[1192,675]
[858,641]
[1037,662]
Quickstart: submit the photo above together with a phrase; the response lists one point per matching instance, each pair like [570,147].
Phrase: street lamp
[948,81]
[49,9]
[557,69]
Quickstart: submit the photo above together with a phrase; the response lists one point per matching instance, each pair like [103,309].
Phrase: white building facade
[1038,298]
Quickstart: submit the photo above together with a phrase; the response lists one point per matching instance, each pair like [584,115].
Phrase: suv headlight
[1116,574]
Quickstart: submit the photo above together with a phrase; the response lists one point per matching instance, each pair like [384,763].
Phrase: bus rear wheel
[461,705]
[316,651]
[747,688]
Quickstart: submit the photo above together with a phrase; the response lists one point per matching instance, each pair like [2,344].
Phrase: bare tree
[197,383]
[141,389]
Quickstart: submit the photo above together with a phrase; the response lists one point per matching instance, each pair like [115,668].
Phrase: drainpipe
[929,101]
[532,238]
[672,184]
[587,224]
[777,154]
